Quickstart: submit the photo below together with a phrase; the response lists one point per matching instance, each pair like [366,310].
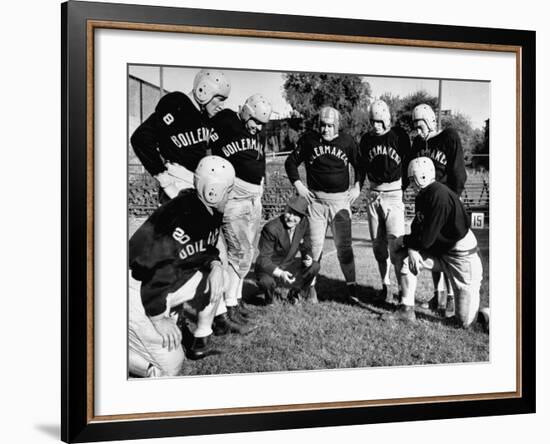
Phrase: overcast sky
[468,97]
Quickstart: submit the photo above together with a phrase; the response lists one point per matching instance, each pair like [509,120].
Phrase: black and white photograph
[298,221]
[279,221]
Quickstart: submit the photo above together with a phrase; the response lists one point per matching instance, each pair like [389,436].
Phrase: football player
[440,241]
[445,150]
[383,153]
[173,259]
[171,142]
[328,155]
[238,141]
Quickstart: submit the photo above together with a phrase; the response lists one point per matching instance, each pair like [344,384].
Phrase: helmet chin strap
[200,107]
[208,206]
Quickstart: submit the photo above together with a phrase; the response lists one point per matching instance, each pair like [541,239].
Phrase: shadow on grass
[328,289]
[335,290]
[251,292]
[427,315]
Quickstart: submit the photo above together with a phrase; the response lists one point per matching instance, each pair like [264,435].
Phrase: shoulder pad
[224,118]
[174,102]
[451,132]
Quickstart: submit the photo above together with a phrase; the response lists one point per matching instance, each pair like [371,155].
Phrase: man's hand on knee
[304,191]
[415,261]
[168,331]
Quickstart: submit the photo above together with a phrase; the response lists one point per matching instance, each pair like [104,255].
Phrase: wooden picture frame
[80,20]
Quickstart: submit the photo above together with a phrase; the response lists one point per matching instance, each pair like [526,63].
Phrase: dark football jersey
[440,220]
[234,143]
[327,163]
[383,158]
[177,240]
[176,132]
[446,152]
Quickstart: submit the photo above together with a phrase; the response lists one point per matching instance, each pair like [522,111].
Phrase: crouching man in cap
[277,267]
[440,241]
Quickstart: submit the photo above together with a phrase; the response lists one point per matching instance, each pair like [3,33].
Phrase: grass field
[333,335]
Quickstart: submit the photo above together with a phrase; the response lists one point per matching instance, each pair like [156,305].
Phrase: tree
[481,148]
[395,103]
[307,93]
[475,142]
[461,124]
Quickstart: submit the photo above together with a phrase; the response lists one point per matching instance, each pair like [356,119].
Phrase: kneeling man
[173,259]
[277,266]
[440,241]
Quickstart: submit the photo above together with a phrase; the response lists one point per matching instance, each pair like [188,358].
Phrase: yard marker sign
[478,220]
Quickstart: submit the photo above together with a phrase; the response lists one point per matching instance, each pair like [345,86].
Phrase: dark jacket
[275,247]
[440,221]
[446,152]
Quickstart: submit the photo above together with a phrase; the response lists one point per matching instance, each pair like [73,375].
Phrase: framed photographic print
[276,222]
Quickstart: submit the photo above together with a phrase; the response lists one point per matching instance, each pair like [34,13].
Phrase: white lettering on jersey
[213,237]
[329,150]
[168,119]
[434,154]
[190,138]
[180,236]
[244,144]
[382,150]
[191,248]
